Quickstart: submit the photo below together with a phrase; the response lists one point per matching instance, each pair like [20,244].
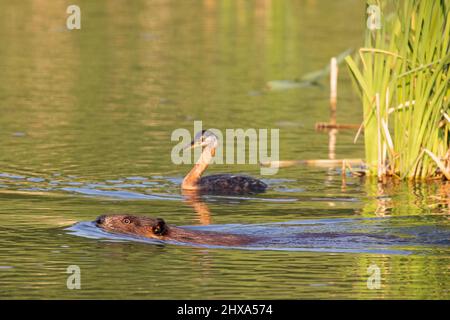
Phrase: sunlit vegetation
[402,74]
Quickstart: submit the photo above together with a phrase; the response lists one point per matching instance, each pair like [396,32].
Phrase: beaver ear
[160,227]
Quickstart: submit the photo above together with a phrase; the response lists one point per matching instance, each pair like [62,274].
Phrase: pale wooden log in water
[329,125]
[311,162]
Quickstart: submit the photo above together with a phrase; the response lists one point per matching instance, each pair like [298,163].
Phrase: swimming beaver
[158,229]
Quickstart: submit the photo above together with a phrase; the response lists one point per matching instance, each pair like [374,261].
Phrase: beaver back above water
[158,229]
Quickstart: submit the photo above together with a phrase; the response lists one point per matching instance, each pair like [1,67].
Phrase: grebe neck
[190,182]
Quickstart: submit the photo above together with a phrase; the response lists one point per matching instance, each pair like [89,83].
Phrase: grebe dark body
[231,184]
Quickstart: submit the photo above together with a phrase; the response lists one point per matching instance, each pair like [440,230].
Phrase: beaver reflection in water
[158,229]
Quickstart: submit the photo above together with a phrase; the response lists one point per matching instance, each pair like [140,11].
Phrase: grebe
[218,183]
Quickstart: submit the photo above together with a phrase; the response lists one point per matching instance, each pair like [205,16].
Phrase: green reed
[402,73]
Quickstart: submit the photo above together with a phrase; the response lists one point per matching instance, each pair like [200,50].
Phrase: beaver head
[139,226]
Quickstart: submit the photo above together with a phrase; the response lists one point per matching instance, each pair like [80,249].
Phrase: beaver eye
[126,221]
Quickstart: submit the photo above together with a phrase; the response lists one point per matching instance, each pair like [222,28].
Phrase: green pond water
[86,118]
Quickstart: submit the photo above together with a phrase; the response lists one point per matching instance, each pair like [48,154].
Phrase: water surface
[85,125]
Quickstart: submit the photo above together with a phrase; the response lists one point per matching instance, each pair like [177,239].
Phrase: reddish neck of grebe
[190,182]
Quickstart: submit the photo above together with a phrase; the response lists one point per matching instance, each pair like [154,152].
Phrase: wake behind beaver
[356,235]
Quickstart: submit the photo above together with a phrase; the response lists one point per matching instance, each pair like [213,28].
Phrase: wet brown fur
[157,229]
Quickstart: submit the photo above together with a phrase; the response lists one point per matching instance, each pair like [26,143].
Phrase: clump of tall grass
[403,75]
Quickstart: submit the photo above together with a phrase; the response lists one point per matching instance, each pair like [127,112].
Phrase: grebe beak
[199,141]
[194,144]
[189,145]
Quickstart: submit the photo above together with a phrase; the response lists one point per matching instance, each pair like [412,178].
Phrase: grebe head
[205,138]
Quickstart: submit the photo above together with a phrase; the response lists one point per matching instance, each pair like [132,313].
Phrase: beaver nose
[100,220]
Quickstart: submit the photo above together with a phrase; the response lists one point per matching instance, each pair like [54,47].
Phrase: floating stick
[312,162]
[327,125]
